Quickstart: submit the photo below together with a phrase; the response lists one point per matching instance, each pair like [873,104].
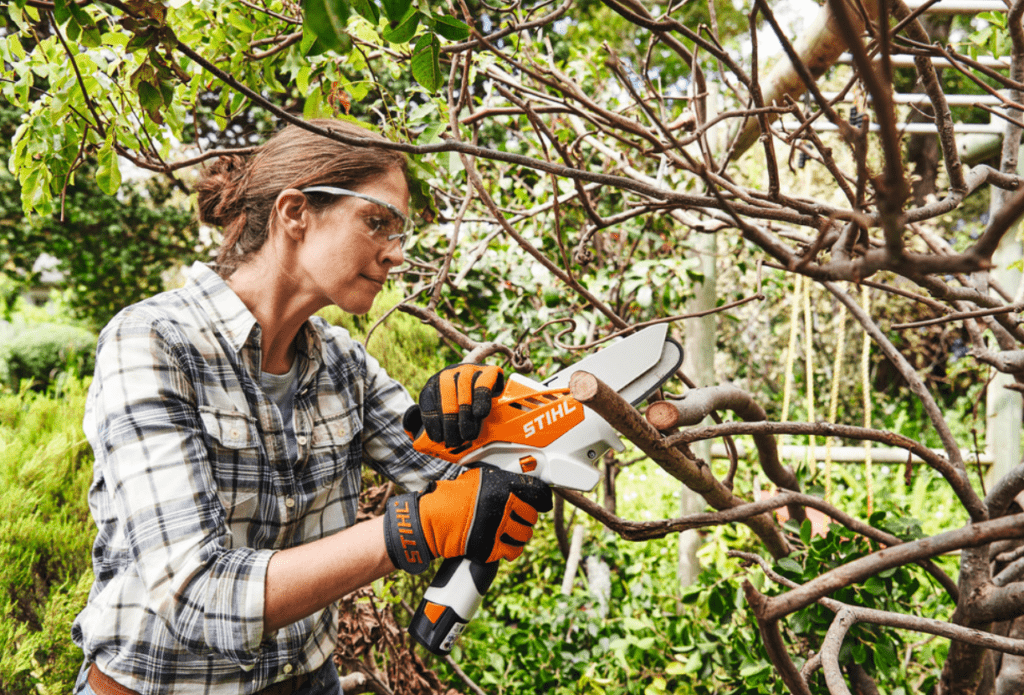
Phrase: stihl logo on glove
[549,417]
[485,514]
[406,531]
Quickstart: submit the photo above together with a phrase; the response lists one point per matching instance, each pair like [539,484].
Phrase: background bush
[45,536]
[43,352]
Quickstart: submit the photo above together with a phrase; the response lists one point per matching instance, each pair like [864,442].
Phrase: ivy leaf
[404,30]
[426,66]
[451,28]
[108,173]
[327,20]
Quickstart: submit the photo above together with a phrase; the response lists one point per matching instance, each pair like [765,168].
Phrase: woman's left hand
[454,403]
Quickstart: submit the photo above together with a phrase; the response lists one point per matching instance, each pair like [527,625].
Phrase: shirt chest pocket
[233,444]
[230,430]
[335,437]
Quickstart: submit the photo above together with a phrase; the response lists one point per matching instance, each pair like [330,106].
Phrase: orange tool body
[536,430]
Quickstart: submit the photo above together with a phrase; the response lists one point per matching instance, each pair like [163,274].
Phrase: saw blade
[635,366]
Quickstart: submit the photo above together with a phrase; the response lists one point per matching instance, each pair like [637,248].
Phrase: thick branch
[696,475]
[697,404]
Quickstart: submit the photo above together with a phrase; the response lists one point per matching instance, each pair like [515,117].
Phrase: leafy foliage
[45,536]
[904,589]
[112,250]
[43,352]
[409,351]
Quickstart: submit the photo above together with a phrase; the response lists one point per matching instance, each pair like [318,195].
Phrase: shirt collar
[230,315]
[234,320]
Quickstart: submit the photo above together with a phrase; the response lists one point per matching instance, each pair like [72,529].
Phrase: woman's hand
[454,403]
[485,514]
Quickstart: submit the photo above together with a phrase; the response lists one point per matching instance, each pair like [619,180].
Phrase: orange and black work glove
[486,514]
[454,403]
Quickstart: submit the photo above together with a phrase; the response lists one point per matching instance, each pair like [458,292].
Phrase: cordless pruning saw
[538,429]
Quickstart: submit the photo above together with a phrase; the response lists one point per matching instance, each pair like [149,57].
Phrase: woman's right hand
[486,514]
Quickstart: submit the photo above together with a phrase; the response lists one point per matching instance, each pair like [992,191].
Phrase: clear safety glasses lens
[397,229]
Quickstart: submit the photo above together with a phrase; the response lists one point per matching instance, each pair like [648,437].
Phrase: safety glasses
[390,226]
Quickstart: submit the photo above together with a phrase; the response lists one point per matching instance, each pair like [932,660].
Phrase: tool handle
[450,602]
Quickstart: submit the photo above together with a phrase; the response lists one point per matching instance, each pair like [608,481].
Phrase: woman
[230,425]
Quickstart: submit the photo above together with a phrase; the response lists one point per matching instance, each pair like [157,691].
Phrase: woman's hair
[237,193]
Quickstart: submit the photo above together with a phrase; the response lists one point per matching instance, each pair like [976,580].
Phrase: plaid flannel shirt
[193,491]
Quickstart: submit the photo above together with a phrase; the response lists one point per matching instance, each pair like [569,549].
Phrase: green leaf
[73,30]
[886,660]
[368,10]
[240,22]
[80,15]
[327,19]
[395,10]
[788,563]
[675,669]
[633,625]
[426,66]
[860,652]
[61,13]
[302,79]
[805,532]
[716,604]
[656,687]
[108,174]
[753,669]
[451,28]
[149,96]
[314,106]
[874,586]
[311,45]
[404,30]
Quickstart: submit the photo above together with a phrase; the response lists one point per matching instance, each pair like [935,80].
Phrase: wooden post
[1004,408]
[699,365]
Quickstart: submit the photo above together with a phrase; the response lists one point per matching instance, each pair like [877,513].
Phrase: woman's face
[343,262]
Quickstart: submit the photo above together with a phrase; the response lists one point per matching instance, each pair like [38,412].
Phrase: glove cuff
[403,534]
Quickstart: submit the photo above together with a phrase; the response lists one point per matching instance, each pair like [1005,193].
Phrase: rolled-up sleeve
[387,447]
[163,510]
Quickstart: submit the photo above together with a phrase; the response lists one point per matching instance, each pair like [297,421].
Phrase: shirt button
[290,502]
[288,668]
[302,440]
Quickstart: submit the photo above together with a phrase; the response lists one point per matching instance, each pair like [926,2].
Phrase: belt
[103,684]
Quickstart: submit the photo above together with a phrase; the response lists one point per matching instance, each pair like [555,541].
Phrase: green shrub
[41,353]
[45,537]
[408,350]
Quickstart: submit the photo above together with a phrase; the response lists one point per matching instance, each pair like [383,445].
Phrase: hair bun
[220,189]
